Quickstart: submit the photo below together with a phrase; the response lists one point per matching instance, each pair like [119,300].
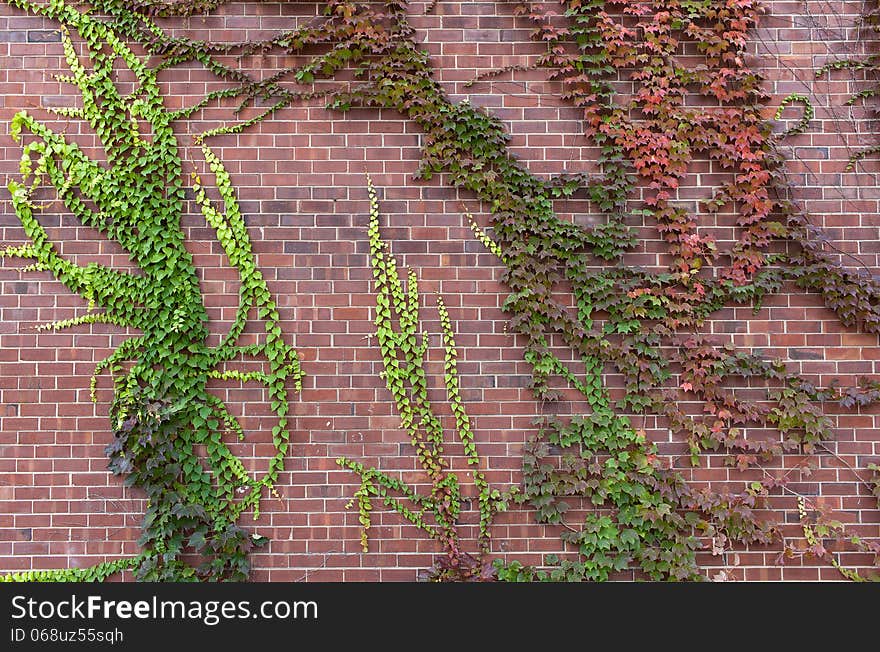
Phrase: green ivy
[97,573]
[404,354]
[162,413]
[808,114]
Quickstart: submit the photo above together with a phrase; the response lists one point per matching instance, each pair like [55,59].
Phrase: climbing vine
[404,354]
[645,324]
[162,413]
[869,63]
[96,573]
[822,529]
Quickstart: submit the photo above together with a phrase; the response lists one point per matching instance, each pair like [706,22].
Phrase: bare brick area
[300,179]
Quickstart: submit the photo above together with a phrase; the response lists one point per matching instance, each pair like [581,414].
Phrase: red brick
[301,183]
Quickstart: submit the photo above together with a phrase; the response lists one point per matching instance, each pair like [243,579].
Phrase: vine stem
[852,469]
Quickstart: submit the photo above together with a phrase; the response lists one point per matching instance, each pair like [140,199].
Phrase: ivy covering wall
[662,448]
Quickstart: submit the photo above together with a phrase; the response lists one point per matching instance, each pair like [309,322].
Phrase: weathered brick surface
[300,180]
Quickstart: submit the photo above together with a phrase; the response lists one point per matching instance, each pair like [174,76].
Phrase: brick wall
[300,181]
